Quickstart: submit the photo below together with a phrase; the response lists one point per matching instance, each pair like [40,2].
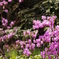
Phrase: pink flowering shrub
[48,40]
[43,36]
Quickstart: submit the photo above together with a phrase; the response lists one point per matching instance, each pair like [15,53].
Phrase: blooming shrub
[41,41]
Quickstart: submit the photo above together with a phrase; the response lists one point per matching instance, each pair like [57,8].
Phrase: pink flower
[56,57]
[54,17]
[22,43]
[1,3]
[32,46]
[34,21]
[22,46]
[38,40]
[9,35]
[3,19]
[24,32]
[16,45]
[36,24]
[29,41]
[8,27]
[4,24]
[34,34]
[6,21]
[48,39]
[6,10]
[5,37]
[1,29]
[12,23]
[28,32]
[48,17]
[57,27]
[4,2]
[44,17]
[7,50]
[16,29]
[41,42]
[20,0]
[26,52]
[46,23]
[34,41]
[17,41]
[27,45]
[38,45]
[1,38]
[46,49]
[9,0]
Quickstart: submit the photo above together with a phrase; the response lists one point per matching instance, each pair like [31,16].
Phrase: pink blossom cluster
[3,2]
[33,34]
[7,37]
[5,23]
[11,0]
[47,21]
[51,36]
[20,0]
[26,52]
[48,36]
[6,2]
[27,46]
[52,50]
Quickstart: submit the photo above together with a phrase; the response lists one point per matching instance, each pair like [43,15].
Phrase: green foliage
[31,57]
[0,57]
[12,54]
[36,51]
